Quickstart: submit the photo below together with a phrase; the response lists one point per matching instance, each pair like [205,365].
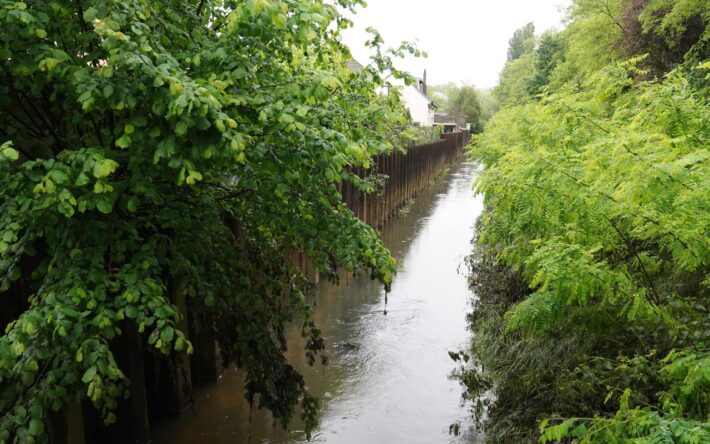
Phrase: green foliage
[637,424]
[548,55]
[613,217]
[513,84]
[596,226]
[157,149]
[591,39]
[522,42]
[665,32]
[671,18]
[465,103]
[422,134]
[441,94]
[489,105]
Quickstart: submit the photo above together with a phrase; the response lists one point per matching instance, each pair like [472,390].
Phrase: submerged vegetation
[592,316]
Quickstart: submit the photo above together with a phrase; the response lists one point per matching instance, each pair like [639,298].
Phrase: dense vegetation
[465,102]
[591,265]
[156,150]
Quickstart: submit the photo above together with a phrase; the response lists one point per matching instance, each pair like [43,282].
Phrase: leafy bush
[591,263]
[151,151]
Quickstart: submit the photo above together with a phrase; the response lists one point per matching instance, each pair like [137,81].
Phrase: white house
[420,107]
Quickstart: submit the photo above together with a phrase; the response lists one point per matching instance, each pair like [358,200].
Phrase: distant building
[421,108]
[354,65]
[450,122]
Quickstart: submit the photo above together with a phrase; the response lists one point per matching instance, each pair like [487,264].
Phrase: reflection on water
[388,376]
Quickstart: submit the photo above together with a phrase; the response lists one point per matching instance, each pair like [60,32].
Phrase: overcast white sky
[466,40]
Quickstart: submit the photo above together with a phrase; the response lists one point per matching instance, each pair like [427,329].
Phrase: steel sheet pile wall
[407,173]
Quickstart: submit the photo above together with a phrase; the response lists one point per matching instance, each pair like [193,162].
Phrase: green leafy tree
[664,32]
[441,94]
[518,71]
[591,39]
[462,101]
[162,149]
[672,18]
[489,104]
[548,55]
[592,197]
[465,103]
[522,42]
[514,81]
[592,261]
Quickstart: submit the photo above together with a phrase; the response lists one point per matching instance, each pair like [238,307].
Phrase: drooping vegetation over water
[592,318]
[152,150]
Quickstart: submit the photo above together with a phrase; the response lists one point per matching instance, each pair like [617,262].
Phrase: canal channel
[389,374]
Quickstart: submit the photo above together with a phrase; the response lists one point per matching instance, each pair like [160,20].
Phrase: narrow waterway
[388,380]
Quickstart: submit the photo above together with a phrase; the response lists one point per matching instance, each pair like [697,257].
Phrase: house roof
[354,65]
[420,92]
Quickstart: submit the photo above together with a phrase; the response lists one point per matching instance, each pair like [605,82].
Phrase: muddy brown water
[388,379]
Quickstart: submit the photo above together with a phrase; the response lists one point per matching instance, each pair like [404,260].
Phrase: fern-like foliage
[597,194]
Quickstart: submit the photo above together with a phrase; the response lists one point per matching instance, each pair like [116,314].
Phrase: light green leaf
[132,204]
[124,141]
[81,180]
[90,14]
[89,374]
[330,82]
[131,312]
[104,206]
[10,153]
[104,168]
[36,427]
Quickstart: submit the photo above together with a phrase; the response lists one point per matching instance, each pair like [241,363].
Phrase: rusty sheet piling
[404,173]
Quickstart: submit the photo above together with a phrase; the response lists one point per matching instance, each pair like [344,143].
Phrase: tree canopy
[463,101]
[513,86]
[165,148]
[592,258]
[522,42]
